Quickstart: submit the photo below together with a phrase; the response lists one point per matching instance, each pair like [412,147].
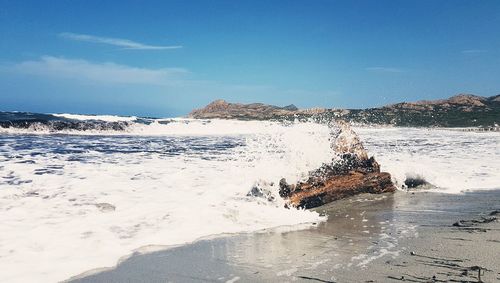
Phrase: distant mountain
[463,110]
[255,111]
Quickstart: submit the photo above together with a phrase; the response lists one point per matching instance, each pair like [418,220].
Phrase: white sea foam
[71,203]
[453,160]
[74,203]
[168,127]
[106,118]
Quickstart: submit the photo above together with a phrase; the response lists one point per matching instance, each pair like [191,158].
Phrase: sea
[82,192]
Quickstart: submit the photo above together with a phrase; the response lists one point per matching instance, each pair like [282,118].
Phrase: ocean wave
[75,124]
[71,203]
[78,198]
[451,161]
[105,118]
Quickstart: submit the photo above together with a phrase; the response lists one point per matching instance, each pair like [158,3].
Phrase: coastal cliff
[463,110]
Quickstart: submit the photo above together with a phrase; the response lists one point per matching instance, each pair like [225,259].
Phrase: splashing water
[71,203]
[454,161]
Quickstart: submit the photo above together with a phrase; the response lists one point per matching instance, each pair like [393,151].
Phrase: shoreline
[145,250]
[367,238]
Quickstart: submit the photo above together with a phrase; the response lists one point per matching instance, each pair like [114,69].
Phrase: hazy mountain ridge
[463,110]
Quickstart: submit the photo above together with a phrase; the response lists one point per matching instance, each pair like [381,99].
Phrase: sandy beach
[249,141]
[411,237]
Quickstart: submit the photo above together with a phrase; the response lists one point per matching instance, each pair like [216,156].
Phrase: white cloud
[170,82]
[125,43]
[384,69]
[107,72]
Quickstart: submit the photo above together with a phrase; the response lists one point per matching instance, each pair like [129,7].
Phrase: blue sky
[163,58]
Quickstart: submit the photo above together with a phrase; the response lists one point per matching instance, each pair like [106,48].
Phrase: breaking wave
[452,161]
[80,192]
[71,203]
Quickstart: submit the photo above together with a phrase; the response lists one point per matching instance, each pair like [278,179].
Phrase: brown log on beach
[351,173]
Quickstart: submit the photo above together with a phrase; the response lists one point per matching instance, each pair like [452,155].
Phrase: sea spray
[167,184]
[172,181]
[451,161]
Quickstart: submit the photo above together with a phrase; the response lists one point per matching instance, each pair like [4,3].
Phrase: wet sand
[397,237]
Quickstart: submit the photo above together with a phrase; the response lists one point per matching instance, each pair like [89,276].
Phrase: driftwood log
[351,172]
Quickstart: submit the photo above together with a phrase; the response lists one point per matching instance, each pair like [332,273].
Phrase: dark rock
[259,191]
[62,125]
[285,189]
[415,181]
[472,222]
[494,212]
[350,173]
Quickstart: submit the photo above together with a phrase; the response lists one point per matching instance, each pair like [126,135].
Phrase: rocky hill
[255,111]
[463,110]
